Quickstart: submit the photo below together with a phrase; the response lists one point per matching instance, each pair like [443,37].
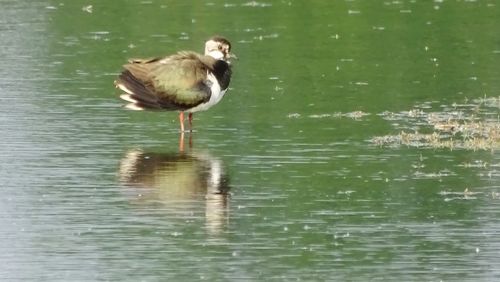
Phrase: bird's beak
[232,56]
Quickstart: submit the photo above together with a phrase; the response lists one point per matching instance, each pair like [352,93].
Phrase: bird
[186,81]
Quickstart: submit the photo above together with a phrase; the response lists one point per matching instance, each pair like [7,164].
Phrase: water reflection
[180,182]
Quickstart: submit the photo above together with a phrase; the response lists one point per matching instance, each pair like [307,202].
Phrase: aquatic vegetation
[353,115]
[474,125]
[356,115]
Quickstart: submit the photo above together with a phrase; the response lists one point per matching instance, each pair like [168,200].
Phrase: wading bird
[185,82]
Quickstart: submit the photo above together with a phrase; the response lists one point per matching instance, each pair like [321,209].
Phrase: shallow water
[282,179]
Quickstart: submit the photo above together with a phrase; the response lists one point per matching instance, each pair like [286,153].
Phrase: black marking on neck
[222,72]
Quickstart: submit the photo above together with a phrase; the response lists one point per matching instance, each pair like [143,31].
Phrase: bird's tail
[136,93]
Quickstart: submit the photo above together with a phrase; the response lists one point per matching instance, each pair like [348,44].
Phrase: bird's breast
[216,95]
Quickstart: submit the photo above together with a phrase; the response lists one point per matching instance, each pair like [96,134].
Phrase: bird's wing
[176,82]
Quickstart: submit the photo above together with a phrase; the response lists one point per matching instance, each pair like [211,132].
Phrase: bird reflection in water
[180,181]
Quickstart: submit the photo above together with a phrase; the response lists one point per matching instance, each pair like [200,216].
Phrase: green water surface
[281,181]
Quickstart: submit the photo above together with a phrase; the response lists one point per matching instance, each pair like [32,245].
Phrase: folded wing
[176,82]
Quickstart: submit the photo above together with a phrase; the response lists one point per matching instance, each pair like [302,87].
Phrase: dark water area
[358,141]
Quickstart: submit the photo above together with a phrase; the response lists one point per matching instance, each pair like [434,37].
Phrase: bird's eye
[219,47]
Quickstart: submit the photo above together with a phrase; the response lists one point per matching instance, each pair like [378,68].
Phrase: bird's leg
[190,119]
[181,142]
[181,120]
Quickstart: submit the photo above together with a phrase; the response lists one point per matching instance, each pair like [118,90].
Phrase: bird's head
[219,48]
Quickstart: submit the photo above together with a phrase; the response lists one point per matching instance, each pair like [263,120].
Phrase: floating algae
[473,125]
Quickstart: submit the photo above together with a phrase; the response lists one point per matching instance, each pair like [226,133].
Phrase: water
[282,179]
